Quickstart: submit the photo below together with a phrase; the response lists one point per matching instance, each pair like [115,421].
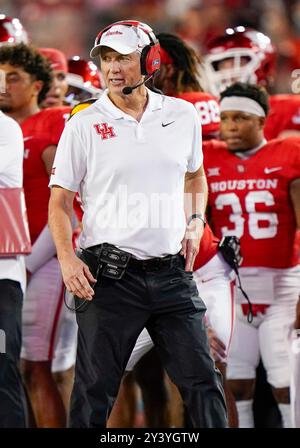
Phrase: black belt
[152,264]
[155,264]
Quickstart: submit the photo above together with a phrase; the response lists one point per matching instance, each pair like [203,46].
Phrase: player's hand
[77,277]
[191,242]
[217,347]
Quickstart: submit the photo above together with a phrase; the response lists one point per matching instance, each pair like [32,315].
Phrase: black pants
[12,398]
[167,303]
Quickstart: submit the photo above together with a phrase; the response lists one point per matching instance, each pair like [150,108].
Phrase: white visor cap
[123,39]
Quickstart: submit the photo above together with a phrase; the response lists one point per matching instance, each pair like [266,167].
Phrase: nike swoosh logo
[271,170]
[167,124]
[27,138]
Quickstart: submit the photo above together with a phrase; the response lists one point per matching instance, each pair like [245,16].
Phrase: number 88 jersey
[208,109]
[250,198]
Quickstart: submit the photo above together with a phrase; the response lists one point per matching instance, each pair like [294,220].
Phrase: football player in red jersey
[55,97]
[247,55]
[179,76]
[28,78]
[254,188]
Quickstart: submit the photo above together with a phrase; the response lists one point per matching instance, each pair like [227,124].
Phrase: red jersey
[208,109]
[40,130]
[250,199]
[284,115]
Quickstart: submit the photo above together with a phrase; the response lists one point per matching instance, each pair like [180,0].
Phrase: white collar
[154,103]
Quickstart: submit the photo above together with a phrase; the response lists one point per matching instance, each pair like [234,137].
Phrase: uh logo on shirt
[105,130]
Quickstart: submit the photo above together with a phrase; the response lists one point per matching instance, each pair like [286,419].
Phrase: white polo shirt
[129,174]
[11,176]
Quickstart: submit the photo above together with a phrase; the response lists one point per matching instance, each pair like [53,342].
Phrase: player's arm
[295,197]
[43,249]
[76,274]
[48,156]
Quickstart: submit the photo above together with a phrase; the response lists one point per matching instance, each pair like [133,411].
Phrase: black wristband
[196,216]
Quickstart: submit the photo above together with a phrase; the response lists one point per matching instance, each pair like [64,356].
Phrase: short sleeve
[196,156]
[69,165]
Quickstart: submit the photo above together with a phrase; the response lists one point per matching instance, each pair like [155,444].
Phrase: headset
[150,56]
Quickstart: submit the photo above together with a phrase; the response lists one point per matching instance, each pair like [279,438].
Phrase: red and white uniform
[249,198]
[284,115]
[43,311]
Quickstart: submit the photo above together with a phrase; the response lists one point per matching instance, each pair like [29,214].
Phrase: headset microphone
[128,90]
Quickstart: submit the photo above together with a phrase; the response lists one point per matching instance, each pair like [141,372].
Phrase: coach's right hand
[77,277]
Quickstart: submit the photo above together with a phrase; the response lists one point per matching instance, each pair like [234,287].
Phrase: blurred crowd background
[71,25]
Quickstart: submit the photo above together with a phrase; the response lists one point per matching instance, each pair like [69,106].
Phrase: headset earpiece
[150,59]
